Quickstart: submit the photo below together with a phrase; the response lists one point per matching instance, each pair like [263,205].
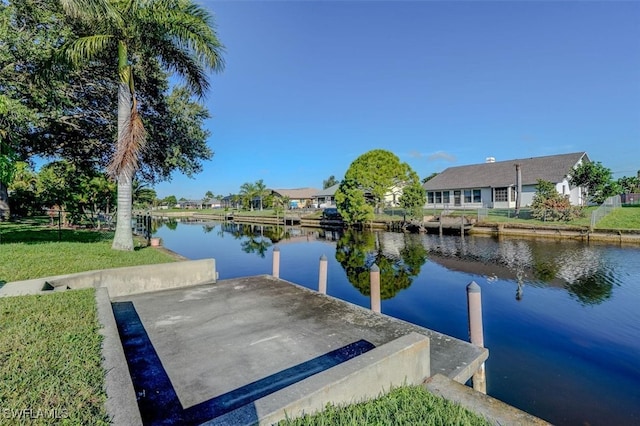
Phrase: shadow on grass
[35,234]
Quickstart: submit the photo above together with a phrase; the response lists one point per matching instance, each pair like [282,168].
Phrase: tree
[247,193]
[369,178]
[428,178]
[68,114]
[630,185]
[596,181]
[170,201]
[351,204]
[414,196]
[143,196]
[7,171]
[329,182]
[175,33]
[24,196]
[549,205]
[261,190]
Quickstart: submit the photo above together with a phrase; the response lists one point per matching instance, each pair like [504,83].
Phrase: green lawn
[627,217]
[29,250]
[50,360]
[407,405]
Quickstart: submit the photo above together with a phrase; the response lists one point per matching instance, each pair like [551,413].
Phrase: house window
[501,194]
[430,197]
[438,197]
[472,196]
[445,197]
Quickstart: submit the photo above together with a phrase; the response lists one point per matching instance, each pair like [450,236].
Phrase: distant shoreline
[622,236]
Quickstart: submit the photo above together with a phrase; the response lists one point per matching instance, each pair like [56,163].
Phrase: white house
[493,184]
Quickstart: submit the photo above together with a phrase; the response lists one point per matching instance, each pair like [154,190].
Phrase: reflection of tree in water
[587,276]
[171,224]
[208,228]
[358,251]
[276,233]
[255,237]
[592,289]
[253,245]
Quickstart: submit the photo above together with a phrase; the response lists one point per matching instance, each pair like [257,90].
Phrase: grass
[50,345]
[50,360]
[627,217]
[30,250]
[406,405]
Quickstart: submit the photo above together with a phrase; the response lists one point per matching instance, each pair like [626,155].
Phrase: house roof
[327,192]
[296,193]
[552,168]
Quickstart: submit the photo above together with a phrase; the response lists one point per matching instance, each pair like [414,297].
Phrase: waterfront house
[298,197]
[493,184]
[326,197]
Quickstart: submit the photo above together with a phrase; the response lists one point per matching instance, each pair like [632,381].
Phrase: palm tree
[247,192]
[261,190]
[176,33]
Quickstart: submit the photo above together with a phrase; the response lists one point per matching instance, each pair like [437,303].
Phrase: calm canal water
[561,318]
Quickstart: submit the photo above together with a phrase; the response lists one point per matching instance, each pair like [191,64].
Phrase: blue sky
[311,85]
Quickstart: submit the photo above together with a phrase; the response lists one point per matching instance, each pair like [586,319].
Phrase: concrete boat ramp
[182,348]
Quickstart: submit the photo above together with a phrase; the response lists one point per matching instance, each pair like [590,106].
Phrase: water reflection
[399,257]
[578,268]
[254,238]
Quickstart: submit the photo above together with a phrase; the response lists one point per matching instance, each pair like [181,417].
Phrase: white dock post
[276,262]
[322,276]
[476,333]
[374,278]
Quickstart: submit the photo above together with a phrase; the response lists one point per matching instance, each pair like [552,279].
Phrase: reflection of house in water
[527,261]
[297,234]
[391,244]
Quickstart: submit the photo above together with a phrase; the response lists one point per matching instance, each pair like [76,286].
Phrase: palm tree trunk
[5,213]
[123,238]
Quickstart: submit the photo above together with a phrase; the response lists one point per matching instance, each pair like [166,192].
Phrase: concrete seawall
[556,232]
[122,281]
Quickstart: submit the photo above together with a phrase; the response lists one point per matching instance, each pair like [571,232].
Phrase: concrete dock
[225,345]
[181,348]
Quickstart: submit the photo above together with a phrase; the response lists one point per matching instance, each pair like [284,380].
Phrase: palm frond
[183,37]
[131,142]
[88,10]
[78,51]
